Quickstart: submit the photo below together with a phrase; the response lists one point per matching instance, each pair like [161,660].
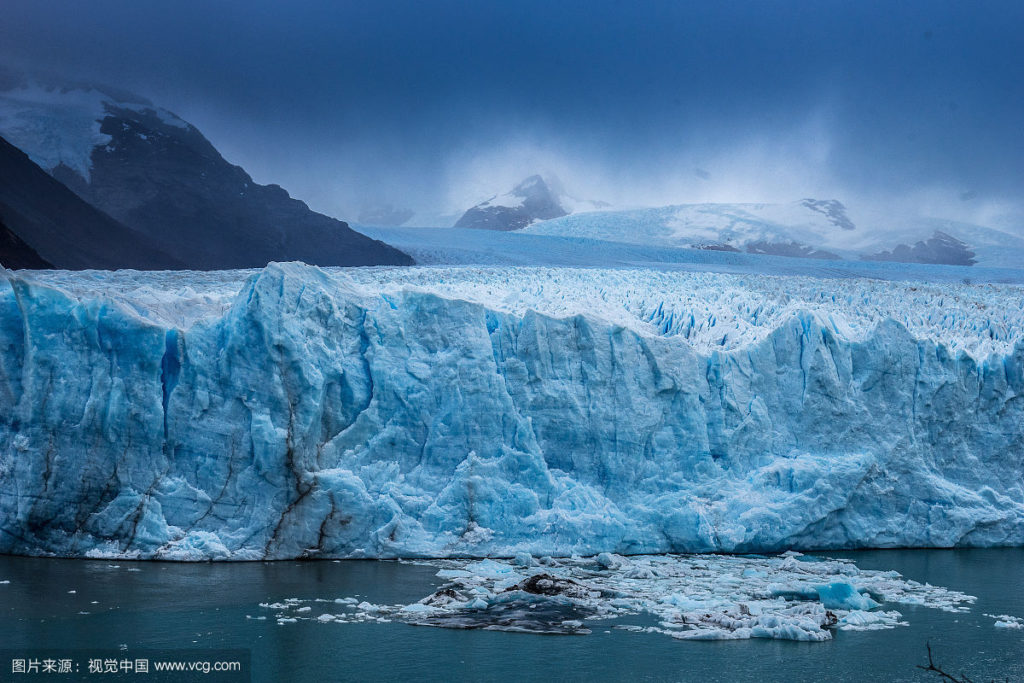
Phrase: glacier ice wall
[307,414]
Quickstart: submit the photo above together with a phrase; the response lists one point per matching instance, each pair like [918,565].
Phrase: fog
[436,106]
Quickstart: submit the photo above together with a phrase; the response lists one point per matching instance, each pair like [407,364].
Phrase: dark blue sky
[435,104]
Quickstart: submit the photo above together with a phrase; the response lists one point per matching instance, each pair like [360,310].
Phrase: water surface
[133,606]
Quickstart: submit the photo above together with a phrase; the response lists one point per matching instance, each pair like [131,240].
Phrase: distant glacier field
[442,412]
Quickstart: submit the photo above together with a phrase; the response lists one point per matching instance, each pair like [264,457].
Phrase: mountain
[809,228]
[43,224]
[529,201]
[156,173]
[939,248]
[15,254]
[804,229]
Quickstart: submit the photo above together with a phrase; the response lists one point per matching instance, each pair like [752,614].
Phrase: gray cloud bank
[434,106]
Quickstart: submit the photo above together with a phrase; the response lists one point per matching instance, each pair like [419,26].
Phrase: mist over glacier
[298,412]
[434,109]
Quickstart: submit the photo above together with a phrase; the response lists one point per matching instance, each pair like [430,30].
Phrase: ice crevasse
[429,413]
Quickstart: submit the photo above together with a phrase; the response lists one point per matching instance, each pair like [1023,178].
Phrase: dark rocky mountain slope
[170,182]
[44,224]
[156,173]
[939,248]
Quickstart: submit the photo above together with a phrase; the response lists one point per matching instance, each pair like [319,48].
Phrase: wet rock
[443,596]
[546,584]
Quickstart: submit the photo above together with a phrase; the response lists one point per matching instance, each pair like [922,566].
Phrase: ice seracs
[297,412]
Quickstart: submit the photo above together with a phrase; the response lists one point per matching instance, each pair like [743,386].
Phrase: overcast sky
[436,105]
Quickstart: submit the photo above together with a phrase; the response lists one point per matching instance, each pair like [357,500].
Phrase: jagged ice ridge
[438,412]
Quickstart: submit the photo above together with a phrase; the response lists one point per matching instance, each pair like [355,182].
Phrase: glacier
[299,412]
[847,232]
[471,247]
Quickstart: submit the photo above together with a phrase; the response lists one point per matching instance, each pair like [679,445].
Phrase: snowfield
[471,412]
[828,225]
[470,247]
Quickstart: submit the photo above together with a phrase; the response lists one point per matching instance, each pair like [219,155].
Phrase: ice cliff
[297,412]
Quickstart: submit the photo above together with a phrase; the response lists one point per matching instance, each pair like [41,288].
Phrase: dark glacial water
[133,607]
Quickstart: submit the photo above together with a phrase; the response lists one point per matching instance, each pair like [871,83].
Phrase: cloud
[436,105]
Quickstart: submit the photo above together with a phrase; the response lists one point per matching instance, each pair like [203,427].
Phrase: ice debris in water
[1007,621]
[700,597]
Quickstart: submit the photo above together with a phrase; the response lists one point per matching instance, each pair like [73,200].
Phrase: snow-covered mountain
[811,228]
[156,173]
[534,199]
[529,201]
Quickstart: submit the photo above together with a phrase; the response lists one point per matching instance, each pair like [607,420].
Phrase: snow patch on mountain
[702,225]
[60,125]
[529,201]
[54,126]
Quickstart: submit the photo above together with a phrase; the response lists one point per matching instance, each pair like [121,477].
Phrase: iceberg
[294,412]
[842,595]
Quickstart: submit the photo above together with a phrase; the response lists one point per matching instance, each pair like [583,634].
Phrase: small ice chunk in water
[524,559]
[418,607]
[842,595]
[1007,621]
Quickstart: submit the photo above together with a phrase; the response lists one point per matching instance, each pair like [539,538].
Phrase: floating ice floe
[1007,621]
[694,597]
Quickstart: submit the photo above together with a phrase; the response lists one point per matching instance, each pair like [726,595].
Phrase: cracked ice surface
[709,311]
[691,597]
[452,412]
